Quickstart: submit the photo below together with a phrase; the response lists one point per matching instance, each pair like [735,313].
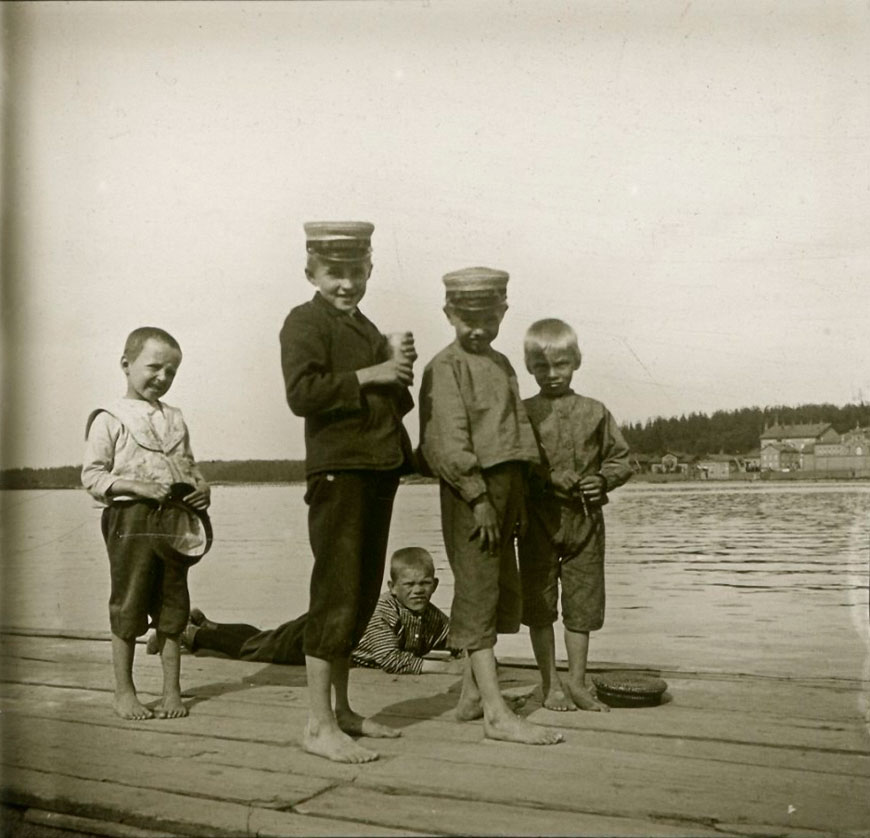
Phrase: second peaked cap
[339,241]
[476,289]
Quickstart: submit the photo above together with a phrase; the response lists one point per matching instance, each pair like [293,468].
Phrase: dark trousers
[281,645]
[348,526]
[486,586]
[147,582]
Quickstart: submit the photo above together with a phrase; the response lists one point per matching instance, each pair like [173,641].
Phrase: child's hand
[486,525]
[152,491]
[593,488]
[200,498]
[391,371]
[564,479]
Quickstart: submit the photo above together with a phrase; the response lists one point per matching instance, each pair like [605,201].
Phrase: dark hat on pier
[629,689]
[476,289]
[339,241]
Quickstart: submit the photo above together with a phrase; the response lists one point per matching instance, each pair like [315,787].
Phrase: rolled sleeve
[99,458]
[445,432]
[615,466]
[379,647]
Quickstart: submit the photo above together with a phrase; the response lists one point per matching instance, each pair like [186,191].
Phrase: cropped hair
[137,339]
[415,558]
[549,334]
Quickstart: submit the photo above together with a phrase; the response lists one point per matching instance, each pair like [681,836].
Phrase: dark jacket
[345,427]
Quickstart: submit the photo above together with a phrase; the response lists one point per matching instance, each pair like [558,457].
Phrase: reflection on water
[764,578]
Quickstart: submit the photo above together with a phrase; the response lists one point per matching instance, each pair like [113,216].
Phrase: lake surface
[764,578]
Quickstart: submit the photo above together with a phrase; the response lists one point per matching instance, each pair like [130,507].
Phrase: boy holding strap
[475,436]
[137,456]
[584,456]
[341,375]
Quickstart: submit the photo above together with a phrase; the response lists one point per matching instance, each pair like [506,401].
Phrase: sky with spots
[687,184]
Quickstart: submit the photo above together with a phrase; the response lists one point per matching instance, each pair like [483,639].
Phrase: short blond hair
[549,334]
[415,558]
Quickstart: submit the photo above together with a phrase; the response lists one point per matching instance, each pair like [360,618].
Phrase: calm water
[771,579]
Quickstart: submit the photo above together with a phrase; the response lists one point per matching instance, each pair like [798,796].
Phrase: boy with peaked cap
[584,456]
[341,375]
[475,436]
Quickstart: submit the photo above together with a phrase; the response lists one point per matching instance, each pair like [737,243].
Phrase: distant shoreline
[11,481]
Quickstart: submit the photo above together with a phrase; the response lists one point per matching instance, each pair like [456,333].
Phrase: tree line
[215,471]
[734,431]
[725,431]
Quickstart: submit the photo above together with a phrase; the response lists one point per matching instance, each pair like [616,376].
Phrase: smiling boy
[340,375]
[137,449]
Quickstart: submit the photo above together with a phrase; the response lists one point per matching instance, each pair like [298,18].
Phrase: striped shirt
[396,638]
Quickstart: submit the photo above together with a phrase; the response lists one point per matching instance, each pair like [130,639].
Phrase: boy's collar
[356,314]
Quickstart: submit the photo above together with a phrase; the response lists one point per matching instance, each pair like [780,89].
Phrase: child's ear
[125,364]
[434,584]
[390,585]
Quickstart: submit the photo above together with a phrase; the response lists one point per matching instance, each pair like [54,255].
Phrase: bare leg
[323,736]
[552,692]
[171,706]
[126,703]
[348,720]
[470,706]
[499,721]
[577,644]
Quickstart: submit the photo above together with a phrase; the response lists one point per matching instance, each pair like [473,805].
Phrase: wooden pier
[726,754]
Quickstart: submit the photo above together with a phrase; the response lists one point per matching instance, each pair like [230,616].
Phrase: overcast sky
[688,184]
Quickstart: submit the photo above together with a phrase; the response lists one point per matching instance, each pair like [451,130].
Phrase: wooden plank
[463,817]
[88,826]
[433,734]
[618,783]
[695,789]
[171,812]
[668,720]
[758,696]
[104,754]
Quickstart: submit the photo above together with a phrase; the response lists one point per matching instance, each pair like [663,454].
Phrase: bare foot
[470,708]
[199,619]
[332,743]
[556,699]
[355,725]
[170,707]
[584,699]
[128,706]
[512,728]
[152,644]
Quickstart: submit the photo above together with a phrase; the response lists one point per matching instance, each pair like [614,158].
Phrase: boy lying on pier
[404,628]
